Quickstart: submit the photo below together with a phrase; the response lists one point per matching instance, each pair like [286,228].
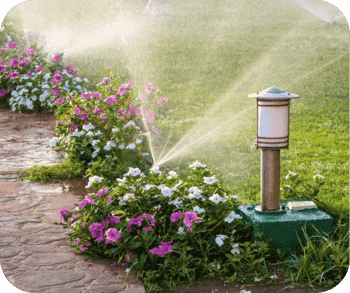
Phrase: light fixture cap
[273,93]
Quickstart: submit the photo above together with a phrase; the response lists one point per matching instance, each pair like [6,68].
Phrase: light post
[272,135]
[279,221]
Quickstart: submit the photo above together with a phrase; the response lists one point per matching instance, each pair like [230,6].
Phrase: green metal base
[282,226]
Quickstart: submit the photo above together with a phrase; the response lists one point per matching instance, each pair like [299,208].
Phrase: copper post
[270,180]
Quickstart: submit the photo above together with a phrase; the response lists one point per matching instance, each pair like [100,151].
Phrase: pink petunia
[86,95]
[138,111]
[149,87]
[121,91]
[56,58]
[164,101]
[59,101]
[111,100]
[96,111]
[30,52]
[96,95]
[76,111]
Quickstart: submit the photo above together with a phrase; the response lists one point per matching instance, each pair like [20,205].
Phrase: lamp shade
[273,118]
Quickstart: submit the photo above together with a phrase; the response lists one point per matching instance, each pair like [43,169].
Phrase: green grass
[195,69]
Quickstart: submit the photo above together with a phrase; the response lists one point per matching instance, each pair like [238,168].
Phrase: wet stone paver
[35,256]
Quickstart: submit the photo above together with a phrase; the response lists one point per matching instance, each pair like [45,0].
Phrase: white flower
[128,196]
[166,191]
[129,123]
[115,129]
[195,190]
[122,181]
[131,146]
[76,133]
[257,280]
[231,217]
[94,142]
[29,84]
[145,154]
[138,128]
[146,134]
[176,203]
[147,187]
[121,146]
[90,133]
[34,98]
[78,79]
[244,291]
[273,277]
[181,231]
[88,127]
[161,186]
[198,209]
[317,175]
[216,198]
[54,141]
[85,79]
[93,179]
[219,239]
[46,86]
[155,170]
[235,249]
[138,141]
[197,164]
[107,148]
[172,175]
[180,182]
[98,132]
[14,93]
[2,29]
[290,173]
[134,172]
[210,180]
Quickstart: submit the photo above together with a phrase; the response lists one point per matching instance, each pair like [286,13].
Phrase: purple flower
[138,111]
[106,80]
[109,199]
[114,219]
[82,247]
[59,101]
[12,45]
[164,101]
[77,241]
[176,216]
[56,91]
[64,212]
[112,235]
[103,116]
[96,111]
[82,204]
[101,192]
[83,224]
[84,116]
[58,77]
[74,127]
[105,223]
[189,217]
[122,111]
[67,99]
[76,111]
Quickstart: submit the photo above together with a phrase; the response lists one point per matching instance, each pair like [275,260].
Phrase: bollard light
[272,135]
[279,221]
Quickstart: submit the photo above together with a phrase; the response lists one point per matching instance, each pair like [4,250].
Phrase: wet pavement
[35,256]
[24,138]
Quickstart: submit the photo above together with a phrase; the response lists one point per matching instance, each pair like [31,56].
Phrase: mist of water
[134,28]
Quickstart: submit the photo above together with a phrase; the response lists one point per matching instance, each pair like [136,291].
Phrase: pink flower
[154,130]
[59,122]
[77,111]
[109,199]
[112,235]
[150,114]
[12,45]
[144,96]
[111,100]
[56,58]
[138,111]
[84,116]
[121,91]
[103,116]
[82,247]
[96,111]
[29,73]
[158,90]
[129,84]
[74,127]
[131,111]
[114,219]
[97,95]
[83,224]
[122,111]
[67,99]
[30,52]
[58,77]
[106,80]
[108,67]
[149,87]
[86,95]
[149,120]
[164,101]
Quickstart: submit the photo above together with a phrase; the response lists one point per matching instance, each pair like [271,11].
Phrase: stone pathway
[35,255]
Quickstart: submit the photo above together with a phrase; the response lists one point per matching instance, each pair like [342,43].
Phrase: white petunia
[216,198]
[155,170]
[197,164]
[93,179]
[147,187]
[210,180]
[138,141]
[86,80]
[198,210]
[128,196]
[231,217]
[161,186]
[176,203]
[220,238]
[88,127]
[122,181]
[131,146]
[107,148]
[317,175]
[172,174]
[94,142]
[98,132]
[90,133]
[115,129]
[134,172]
[29,84]
[53,141]
[129,123]
[166,191]
[121,146]
[78,79]
[235,249]
[146,134]
[290,173]
[145,154]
